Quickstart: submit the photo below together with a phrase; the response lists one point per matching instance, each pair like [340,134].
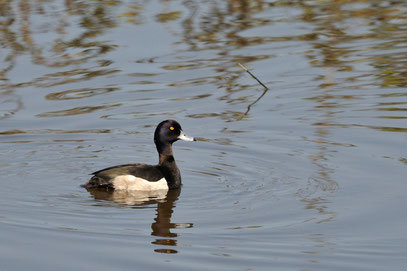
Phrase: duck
[143,177]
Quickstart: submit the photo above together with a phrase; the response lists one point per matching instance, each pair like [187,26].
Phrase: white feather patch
[133,183]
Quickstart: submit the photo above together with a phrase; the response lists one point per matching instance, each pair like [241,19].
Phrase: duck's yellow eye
[172,128]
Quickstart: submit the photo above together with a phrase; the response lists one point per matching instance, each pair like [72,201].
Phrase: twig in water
[252,75]
[253,103]
[258,99]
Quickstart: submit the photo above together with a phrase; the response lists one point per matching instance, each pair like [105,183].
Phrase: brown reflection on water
[359,45]
[53,131]
[346,36]
[25,25]
[76,111]
[22,35]
[343,25]
[78,93]
[339,27]
[362,47]
[216,28]
[94,20]
[162,226]
[10,104]
[322,181]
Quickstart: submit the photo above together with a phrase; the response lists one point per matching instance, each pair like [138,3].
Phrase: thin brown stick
[258,99]
[252,75]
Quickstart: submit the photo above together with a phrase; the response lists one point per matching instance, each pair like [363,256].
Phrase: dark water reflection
[162,225]
[308,175]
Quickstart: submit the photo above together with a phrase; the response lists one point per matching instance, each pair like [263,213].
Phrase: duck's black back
[104,177]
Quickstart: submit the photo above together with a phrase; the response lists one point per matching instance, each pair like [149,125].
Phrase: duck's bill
[184,137]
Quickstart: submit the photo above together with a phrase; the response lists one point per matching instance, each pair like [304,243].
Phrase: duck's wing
[104,178]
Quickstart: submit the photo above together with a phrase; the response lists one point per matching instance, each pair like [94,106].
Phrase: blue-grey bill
[184,137]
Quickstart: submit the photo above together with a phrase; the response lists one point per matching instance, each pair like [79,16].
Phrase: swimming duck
[142,177]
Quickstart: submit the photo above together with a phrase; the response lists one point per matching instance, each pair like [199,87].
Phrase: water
[308,175]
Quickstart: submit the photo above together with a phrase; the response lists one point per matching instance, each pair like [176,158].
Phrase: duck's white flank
[133,183]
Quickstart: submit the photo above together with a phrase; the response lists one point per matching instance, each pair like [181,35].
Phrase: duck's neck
[168,166]
[164,149]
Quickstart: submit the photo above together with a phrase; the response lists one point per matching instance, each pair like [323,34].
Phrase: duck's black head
[167,132]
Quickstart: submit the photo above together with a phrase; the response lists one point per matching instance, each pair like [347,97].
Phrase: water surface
[307,175]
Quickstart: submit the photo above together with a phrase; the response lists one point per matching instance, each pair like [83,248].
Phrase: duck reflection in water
[165,200]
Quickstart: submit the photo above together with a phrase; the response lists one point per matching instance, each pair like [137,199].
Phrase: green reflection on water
[339,29]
